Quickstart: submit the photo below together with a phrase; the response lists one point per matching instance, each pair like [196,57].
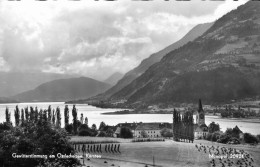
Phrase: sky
[95,38]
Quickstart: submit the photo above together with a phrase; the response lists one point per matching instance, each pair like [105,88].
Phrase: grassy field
[166,154]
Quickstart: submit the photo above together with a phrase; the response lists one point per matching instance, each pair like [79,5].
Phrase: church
[200,128]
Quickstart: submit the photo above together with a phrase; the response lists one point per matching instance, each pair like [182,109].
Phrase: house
[200,132]
[150,130]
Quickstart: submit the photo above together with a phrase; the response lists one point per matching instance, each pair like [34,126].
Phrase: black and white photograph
[129,83]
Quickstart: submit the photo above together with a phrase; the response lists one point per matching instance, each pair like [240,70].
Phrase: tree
[126,133]
[53,117]
[36,115]
[7,115]
[109,132]
[94,127]
[17,116]
[58,122]
[213,127]
[144,134]
[66,115]
[22,117]
[229,131]
[165,132]
[84,130]
[32,119]
[249,138]
[45,115]
[69,128]
[102,125]
[81,118]
[49,113]
[75,119]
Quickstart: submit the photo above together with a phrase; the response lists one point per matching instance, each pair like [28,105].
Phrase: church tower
[200,114]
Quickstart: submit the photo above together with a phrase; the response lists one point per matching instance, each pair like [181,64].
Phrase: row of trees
[34,115]
[236,113]
[51,115]
[183,126]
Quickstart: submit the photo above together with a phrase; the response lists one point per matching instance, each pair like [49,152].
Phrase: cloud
[83,38]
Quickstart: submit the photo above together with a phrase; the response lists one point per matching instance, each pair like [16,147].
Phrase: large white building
[150,130]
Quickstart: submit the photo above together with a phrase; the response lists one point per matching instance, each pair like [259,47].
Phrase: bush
[249,138]
[234,140]
[258,137]
[102,134]
[209,136]
[85,132]
[165,132]
[224,138]
[69,128]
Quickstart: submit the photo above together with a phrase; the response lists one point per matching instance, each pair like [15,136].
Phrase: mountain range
[156,57]
[221,65]
[12,83]
[63,90]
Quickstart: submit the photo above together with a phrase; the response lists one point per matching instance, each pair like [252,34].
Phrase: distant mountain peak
[114,78]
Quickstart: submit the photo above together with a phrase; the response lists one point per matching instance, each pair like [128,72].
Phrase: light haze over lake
[95,117]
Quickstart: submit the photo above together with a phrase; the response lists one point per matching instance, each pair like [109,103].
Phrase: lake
[95,117]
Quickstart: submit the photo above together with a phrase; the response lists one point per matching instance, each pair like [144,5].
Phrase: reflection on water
[94,116]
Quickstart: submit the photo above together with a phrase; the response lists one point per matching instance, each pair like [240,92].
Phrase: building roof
[148,126]
[200,109]
[201,128]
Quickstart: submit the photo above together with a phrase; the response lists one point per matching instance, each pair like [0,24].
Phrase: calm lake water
[95,117]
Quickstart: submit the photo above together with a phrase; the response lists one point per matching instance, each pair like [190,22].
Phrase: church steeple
[200,114]
[200,106]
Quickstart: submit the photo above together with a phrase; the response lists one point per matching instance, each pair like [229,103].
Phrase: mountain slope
[221,65]
[12,83]
[7,100]
[156,57]
[63,90]
[114,78]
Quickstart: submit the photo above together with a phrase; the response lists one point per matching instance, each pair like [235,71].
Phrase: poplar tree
[49,113]
[32,119]
[58,122]
[17,116]
[53,117]
[7,115]
[22,116]
[75,119]
[36,115]
[66,115]
[45,119]
[26,114]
